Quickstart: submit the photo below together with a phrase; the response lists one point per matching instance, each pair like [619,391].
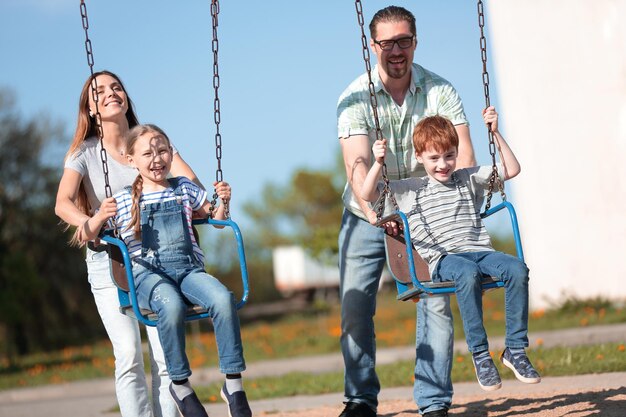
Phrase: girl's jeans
[167,296]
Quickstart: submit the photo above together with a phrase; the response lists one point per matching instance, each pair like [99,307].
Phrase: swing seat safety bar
[126,288]
[409,270]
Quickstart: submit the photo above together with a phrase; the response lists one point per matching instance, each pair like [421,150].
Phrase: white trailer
[296,272]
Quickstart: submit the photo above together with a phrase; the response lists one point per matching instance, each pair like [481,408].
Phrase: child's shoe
[519,363]
[486,371]
[189,406]
[237,403]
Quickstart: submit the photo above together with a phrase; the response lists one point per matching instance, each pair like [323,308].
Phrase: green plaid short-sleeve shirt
[428,95]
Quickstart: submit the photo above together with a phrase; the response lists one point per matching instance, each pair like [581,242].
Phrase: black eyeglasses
[403,43]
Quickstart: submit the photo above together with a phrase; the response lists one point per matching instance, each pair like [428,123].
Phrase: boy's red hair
[436,133]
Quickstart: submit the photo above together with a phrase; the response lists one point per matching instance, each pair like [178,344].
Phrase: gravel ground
[588,395]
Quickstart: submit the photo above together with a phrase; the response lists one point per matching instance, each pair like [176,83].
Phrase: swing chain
[380,206]
[215,9]
[494,177]
[94,94]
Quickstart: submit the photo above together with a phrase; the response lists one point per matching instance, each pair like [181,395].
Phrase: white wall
[561,71]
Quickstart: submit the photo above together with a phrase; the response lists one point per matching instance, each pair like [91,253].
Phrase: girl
[81,190]
[154,217]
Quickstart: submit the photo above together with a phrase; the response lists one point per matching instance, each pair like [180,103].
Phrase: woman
[81,190]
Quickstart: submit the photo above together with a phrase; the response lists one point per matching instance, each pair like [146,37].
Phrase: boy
[443,210]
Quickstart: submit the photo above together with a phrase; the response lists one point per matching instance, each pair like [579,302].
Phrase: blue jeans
[467,270]
[169,295]
[169,277]
[361,261]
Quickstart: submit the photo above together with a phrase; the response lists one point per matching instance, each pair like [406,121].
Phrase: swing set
[408,269]
[120,262]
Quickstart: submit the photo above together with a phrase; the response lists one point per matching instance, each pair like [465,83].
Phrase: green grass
[315,331]
[549,362]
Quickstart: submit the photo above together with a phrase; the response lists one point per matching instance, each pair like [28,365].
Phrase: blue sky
[283,65]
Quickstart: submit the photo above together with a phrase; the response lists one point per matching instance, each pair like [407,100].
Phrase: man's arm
[466,156]
[356,158]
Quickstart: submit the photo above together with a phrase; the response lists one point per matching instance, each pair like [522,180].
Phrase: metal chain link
[374,103]
[215,9]
[97,116]
[494,179]
[94,95]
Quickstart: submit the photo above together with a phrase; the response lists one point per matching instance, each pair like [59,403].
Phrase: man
[405,93]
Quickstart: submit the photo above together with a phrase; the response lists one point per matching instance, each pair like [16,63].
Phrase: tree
[42,280]
[306,212]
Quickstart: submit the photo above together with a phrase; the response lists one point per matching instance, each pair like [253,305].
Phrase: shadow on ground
[605,403]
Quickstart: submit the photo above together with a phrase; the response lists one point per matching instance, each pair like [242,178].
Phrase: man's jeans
[467,270]
[361,261]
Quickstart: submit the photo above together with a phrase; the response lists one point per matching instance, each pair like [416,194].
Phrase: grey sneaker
[521,366]
[487,373]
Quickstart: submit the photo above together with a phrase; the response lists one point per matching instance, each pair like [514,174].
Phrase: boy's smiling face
[439,165]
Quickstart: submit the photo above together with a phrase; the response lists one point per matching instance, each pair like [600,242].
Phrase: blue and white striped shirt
[193,197]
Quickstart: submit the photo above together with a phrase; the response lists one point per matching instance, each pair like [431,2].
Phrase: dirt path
[589,395]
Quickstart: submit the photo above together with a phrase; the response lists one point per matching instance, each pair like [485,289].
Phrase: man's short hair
[392,14]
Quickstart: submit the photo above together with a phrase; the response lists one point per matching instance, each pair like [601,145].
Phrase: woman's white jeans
[130,381]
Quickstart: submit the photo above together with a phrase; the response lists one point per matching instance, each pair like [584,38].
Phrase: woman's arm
[68,211]
[67,194]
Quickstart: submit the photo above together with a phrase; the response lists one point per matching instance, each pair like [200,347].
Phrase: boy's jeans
[467,270]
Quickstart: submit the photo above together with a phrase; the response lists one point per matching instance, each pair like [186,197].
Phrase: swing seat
[194,312]
[410,271]
[122,276]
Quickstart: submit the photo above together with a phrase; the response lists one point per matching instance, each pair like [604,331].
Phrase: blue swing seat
[409,270]
[122,275]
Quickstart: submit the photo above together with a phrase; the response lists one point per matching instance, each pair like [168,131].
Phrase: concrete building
[561,72]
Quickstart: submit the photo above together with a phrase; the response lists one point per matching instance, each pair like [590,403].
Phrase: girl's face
[152,156]
[112,100]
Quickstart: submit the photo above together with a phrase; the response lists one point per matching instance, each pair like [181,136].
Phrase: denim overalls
[168,277]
